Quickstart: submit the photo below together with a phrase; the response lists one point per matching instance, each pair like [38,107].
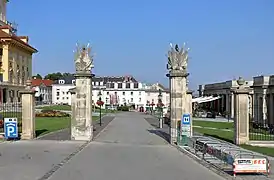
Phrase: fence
[227,156]
[261,131]
[10,110]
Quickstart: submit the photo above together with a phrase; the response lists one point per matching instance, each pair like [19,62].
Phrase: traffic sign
[10,128]
[186,119]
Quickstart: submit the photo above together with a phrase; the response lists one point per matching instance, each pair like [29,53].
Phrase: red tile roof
[38,82]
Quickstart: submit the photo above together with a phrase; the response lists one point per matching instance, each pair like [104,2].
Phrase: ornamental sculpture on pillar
[83,58]
[177,58]
[179,105]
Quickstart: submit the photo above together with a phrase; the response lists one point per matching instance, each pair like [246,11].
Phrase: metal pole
[100,116]
[161,118]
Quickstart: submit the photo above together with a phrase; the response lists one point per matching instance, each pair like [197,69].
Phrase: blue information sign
[186,119]
[10,128]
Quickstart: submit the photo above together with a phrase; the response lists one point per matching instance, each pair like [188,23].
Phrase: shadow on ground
[159,133]
[40,131]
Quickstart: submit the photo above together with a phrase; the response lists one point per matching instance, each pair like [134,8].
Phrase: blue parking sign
[186,119]
[10,128]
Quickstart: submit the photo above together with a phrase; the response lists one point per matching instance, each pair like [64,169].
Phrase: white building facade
[115,91]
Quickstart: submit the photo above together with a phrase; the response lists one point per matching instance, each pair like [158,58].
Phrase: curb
[102,130]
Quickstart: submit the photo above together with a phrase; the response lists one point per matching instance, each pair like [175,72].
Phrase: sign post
[11,128]
[185,128]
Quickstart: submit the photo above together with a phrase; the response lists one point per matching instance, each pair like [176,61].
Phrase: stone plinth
[28,114]
[81,122]
[178,89]
[241,116]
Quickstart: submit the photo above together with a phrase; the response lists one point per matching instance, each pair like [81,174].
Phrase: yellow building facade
[15,59]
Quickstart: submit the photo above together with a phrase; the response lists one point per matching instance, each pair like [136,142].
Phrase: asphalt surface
[128,149]
[164,133]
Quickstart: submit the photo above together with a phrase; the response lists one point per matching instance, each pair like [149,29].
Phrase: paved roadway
[128,149]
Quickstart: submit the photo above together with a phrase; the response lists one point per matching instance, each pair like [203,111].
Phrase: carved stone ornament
[83,58]
[177,58]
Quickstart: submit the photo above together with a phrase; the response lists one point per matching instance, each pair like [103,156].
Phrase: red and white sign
[251,165]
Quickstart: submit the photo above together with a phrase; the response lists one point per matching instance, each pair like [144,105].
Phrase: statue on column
[83,59]
[178,58]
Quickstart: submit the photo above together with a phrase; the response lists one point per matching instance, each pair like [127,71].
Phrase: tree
[37,76]
[56,76]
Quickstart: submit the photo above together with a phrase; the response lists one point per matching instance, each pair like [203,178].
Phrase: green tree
[57,75]
[37,76]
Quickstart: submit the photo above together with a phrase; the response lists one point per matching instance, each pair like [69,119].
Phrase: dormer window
[61,82]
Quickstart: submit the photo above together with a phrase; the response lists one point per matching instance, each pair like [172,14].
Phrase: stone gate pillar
[28,112]
[177,66]
[241,113]
[81,122]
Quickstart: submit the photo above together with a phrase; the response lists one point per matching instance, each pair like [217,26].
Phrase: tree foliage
[57,75]
[37,76]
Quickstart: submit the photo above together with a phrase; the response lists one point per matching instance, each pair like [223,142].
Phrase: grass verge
[46,125]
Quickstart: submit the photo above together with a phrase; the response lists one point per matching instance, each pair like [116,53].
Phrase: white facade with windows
[115,91]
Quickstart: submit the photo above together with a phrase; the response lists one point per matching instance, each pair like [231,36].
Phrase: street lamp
[100,103]
[160,108]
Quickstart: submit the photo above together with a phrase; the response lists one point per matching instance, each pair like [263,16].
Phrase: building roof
[11,36]
[38,82]
[104,79]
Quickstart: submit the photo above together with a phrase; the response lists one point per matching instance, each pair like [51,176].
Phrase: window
[63,98]
[140,99]
[140,93]
[107,93]
[136,85]
[131,100]
[127,85]
[115,93]
[58,94]
[73,81]
[111,85]
[63,92]
[131,93]
[61,82]
[1,51]
[67,97]
[120,85]
[57,98]
[124,93]
[67,92]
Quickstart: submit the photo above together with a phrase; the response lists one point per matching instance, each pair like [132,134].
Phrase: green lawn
[68,108]
[222,133]
[56,107]
[46,125]
[219,125]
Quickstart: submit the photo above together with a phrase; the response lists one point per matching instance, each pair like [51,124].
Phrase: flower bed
[52,113]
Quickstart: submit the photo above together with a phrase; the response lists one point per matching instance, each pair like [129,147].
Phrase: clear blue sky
[227,38]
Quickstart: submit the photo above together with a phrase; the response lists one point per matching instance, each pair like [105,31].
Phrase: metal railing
[228,156]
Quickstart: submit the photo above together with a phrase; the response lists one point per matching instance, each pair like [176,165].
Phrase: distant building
[223,89]
[43,88]
[60,90]
[115,91]
[15,59]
